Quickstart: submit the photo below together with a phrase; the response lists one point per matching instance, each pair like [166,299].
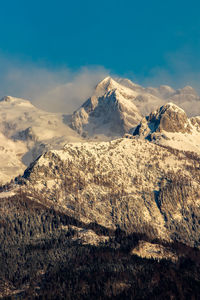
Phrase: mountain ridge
[92,219]
[108,102]
[93,182]
[91,116]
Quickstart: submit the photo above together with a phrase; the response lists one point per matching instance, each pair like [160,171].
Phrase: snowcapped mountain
[17,115]
[150,98]
[117,183]
[130,184]
[95,209]
[101,206]
[26,132]
[170,126]
[110,111]
[116,107]
[118,104]
[163,91]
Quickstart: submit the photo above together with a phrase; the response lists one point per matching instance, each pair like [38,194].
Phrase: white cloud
[64,90]
[60,90]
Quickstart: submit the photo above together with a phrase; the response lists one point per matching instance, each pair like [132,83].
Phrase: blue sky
[151,42]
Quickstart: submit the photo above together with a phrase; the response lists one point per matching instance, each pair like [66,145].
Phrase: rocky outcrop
[169,118]
[170,126]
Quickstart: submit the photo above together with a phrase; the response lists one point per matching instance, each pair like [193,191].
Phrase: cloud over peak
[57,90]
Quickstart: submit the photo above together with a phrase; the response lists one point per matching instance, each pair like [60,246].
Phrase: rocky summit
[109,111]
[170,126]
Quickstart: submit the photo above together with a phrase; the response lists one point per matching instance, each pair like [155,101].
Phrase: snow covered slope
[118,104]
[110,111]
[11,164]
[124,183]
[150,98]
[170,126]
[114,109]
[25,133]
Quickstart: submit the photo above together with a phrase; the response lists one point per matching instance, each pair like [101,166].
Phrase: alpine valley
[103,203]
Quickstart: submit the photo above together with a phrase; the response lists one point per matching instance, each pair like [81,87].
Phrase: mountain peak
[168,118]
[106,84]
[110,110]
[169,126]
[129,84]
[105,80]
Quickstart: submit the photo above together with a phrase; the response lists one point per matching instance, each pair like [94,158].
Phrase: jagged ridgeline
[115,108]
[93,219]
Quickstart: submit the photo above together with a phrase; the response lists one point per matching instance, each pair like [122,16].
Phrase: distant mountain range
[117,105]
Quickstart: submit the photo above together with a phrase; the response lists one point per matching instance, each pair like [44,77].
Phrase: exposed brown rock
[169,118]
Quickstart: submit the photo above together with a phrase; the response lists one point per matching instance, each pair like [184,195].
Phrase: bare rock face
[168,117]
[169,126]
[27,134]
[195,121]
[171,119]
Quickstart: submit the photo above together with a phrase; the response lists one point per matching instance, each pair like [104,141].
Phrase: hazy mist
[60,90]
[64,90]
